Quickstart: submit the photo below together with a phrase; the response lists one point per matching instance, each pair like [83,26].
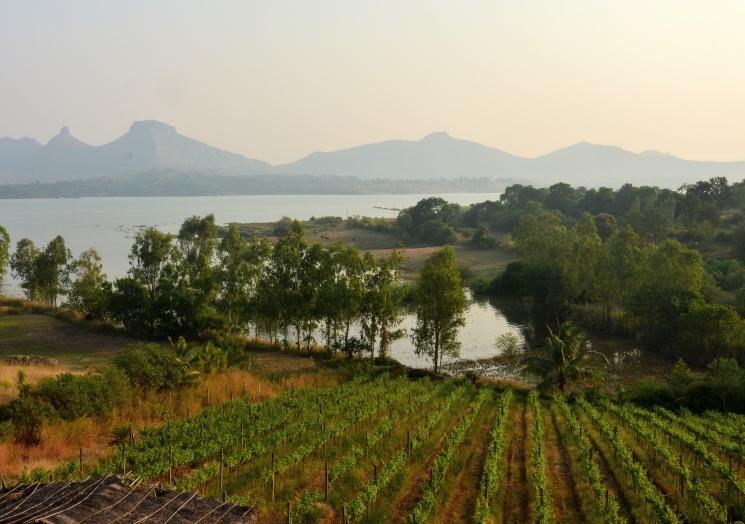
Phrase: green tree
[24,267]
[564,359]
[727,380]
[708,331]
[53,269]
[283,290]
[616,269]
[87,290]
[348,288]
[509,351]
[153,263]
[669,281]
[197,284]
[4,252]
[430,220]
[586,251]
[440,303]
[239,270]
[548,247]
[381,301]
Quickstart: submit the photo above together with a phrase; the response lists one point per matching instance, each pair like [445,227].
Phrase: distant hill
[441,156]
[594,165]
[148,145]
[152,146]
[437,155]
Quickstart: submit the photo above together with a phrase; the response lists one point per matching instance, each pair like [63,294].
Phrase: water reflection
[485,321]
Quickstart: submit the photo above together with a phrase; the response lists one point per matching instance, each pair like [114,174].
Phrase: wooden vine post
[222,460]
[170,463]
[289,512]
[325,480]
[273,455]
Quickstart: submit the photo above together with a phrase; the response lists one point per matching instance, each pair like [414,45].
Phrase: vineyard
[390,449]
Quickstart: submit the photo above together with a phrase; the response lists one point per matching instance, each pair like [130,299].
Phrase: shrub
[92,395]
[154,367]
[482,239]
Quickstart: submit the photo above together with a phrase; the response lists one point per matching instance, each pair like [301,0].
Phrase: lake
[109,225]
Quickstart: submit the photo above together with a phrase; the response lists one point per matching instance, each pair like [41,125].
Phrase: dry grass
[62,440]
[33,374]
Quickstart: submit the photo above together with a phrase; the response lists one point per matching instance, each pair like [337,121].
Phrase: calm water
[109,225]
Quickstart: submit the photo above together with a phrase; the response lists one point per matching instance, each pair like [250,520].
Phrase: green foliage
[482,239]
[88,291]
[73,396]
[543,512]
[4,251]
[608,510]
[23,265]
[635,471]
[454,439]
[565,359]
[440,305]
[200,358]
[154,367]
[380,309]
[431,220]
[494,465]
[659,303]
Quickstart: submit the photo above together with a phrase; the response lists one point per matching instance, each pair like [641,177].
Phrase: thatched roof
[112,499]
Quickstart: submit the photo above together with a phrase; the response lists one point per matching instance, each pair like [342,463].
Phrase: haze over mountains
[151,146]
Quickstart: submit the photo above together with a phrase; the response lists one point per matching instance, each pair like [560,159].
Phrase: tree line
[199,283]
[654,292]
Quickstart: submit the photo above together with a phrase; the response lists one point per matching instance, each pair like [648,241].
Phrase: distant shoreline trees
[195,284]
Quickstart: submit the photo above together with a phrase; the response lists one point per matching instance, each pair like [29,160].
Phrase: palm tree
[564,359]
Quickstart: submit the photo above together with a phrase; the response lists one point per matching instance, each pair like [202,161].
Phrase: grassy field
[44,335]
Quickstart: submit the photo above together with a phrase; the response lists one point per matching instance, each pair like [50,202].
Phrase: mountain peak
[151,126]
[65,139]
[438,135]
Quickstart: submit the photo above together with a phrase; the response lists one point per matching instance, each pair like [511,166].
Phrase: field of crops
[385,449]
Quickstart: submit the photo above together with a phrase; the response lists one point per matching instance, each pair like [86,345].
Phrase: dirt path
[515,496]
[462,491]
[567,505]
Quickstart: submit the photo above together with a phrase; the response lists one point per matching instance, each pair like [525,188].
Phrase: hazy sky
[277,79]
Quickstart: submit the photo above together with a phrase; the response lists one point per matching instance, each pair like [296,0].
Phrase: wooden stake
[326,480]
[289,512]
[272,476]
[222,460]
[81,462]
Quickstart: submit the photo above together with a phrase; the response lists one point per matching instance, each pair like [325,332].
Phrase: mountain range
[151,146]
